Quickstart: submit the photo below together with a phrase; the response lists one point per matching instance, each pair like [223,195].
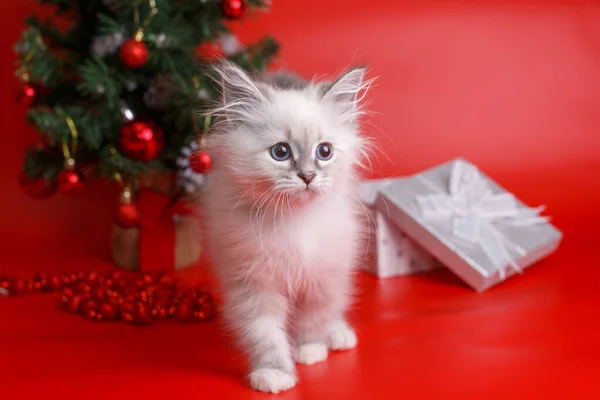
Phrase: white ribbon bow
[474,210]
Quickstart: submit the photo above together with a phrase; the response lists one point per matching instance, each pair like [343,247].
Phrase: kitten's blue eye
[281,151]
[324,151]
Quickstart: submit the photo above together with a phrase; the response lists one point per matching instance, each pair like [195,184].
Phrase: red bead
[127,216]
[41,281]
[89,309]
[143,297]
[161,310]
[233,9]
[74,303]
[70,181]
[83,288]
[116,275]
[200,162]
[26,94]
[205,310]
[185,312]
[69,279]
[6,285]
[108,311]
[100,293]
[92,278]
[36,188]
[166,280]
[19,286]
[33,285]
[141,140]
[140,284]
[133,53]
[126,310]
[142,314]
[55,282]
[65,297]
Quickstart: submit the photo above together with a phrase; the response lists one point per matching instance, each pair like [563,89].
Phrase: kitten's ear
[240,96]
[344,91]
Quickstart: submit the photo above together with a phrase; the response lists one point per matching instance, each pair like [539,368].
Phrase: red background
[513,86]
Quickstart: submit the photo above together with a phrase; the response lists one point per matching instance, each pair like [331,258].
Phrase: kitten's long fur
[283,249]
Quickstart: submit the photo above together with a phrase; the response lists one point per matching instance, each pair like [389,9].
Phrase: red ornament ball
[89,309]
[70,182]
[141,140]
[108,311]
[26,94]
[36,188]
[127,216]
[74,303]
[200,162]
[55,282]
[233,9]
[184,312]
[133,53]
[142,314]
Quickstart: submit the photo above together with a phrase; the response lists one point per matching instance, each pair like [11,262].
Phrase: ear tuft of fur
[347,91]
[241,100]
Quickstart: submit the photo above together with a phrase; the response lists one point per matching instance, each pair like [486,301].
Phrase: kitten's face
[299,143]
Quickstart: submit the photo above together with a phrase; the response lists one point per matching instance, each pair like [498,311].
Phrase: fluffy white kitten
[282,221]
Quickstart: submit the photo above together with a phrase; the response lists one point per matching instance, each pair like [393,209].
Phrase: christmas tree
[114,87]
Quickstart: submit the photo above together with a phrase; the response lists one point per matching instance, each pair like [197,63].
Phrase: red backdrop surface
[513,86]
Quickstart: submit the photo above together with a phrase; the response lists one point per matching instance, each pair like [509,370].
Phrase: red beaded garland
[134,298]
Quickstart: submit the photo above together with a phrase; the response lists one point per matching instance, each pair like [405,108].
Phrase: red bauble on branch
[70,180]
[26,94]
[36,188]
[141,140]
[233,9]
[127,214]
[133,53]
[200,162]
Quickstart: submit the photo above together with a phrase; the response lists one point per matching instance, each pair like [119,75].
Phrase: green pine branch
[97,81]
[52,123]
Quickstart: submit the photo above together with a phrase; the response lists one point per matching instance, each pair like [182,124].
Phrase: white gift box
[474,227]
[390,252]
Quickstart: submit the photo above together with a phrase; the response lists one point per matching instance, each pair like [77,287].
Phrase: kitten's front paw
[341,338]
[271,380]
[310,353]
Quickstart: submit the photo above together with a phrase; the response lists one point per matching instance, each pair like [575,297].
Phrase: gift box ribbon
[474,211]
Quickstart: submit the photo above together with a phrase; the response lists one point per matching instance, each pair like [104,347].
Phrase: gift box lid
[524,245]
[368,190]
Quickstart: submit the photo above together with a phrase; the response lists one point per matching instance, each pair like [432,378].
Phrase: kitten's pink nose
[307,177]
